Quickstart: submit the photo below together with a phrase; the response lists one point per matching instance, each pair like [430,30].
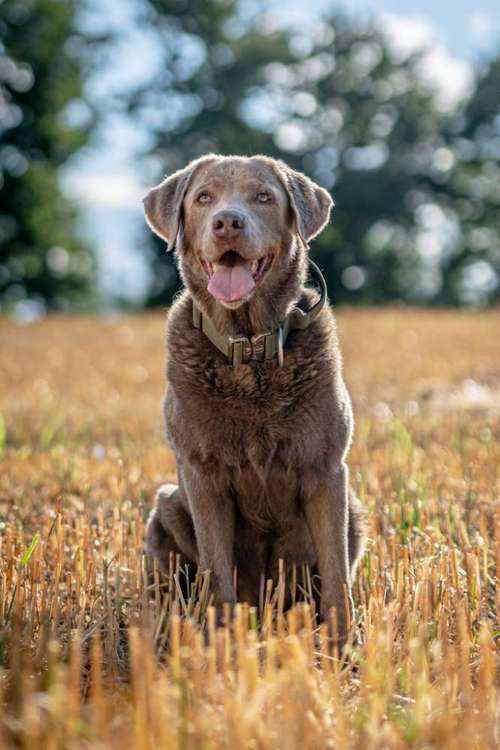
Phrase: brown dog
[256,409]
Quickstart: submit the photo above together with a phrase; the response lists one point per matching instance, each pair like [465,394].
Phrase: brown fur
[260,449]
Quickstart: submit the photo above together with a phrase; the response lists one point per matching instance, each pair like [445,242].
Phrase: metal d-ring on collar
[262,346]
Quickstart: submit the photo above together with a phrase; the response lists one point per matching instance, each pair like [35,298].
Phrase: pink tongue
[231,283]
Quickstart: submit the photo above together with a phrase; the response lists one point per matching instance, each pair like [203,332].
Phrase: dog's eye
[263,197]
[204,197]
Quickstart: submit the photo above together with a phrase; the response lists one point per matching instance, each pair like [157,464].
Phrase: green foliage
[336,101]
[43,122]
[29,551]
[471,194]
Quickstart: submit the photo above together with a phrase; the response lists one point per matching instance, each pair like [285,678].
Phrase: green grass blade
[27,555]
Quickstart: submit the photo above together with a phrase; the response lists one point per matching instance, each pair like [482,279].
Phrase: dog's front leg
[213,514]
[327,515]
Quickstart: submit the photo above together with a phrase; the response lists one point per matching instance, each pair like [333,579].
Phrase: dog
[256,409]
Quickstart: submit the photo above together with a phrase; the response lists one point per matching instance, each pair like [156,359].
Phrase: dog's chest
[262,407]
[259,390]
[254,414]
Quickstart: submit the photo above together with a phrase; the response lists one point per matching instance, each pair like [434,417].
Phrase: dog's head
[237,223]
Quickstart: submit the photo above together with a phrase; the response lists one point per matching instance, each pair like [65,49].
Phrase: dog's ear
[311,204]
[163,203]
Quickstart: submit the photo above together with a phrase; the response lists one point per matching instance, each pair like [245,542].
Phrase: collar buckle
[260,346]
[240,349]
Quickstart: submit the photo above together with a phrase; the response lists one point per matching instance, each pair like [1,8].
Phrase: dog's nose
[228,224]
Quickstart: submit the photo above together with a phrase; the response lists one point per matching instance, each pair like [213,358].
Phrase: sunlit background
[393,108]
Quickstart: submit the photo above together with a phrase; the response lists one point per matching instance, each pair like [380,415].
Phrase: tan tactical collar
[262,346]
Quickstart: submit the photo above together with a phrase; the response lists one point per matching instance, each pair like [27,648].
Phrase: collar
[262,346]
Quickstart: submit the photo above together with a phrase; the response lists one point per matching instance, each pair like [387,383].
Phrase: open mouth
[234,278]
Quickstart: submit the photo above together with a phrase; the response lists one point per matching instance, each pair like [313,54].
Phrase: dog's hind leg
[356,533]
[170,529]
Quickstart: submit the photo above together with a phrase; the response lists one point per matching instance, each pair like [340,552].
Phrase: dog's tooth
[254,266]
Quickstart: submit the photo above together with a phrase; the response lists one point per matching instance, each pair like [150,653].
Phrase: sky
[109,178]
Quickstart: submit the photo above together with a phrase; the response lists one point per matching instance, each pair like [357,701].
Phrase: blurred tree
[332,99]
[357,117]
[43,121]
[471,193]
